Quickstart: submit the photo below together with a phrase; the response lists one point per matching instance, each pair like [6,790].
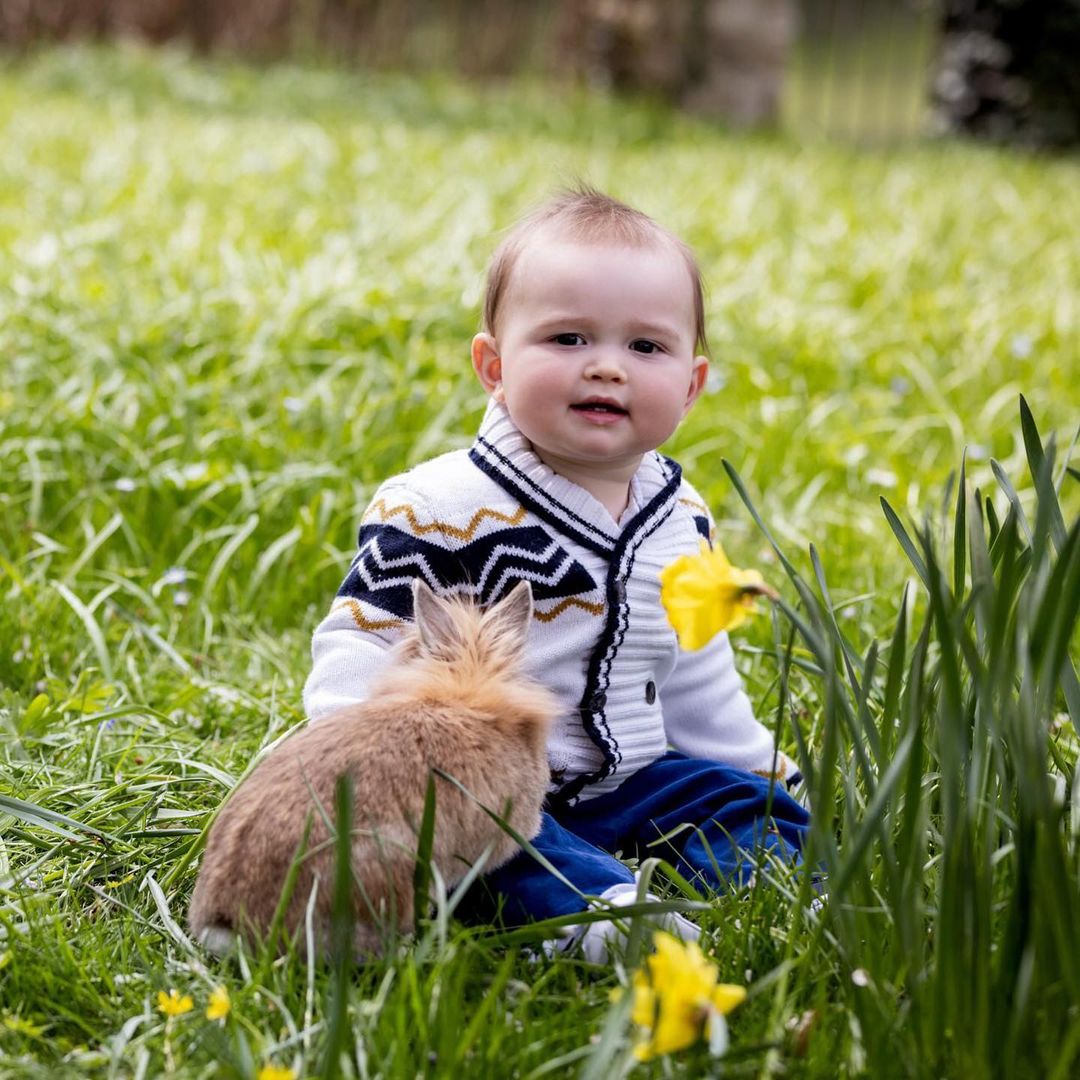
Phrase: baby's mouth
[600,406]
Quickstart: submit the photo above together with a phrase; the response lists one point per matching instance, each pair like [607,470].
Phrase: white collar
[506,454]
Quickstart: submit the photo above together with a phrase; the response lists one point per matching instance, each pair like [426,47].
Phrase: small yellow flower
[704,594]
[276,1072]
[678,998]
[23,1026]
[219,1005]
[173,1004]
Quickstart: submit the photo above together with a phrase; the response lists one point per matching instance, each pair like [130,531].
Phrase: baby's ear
[434,619]
[508,621]
[699,374]
[487,363]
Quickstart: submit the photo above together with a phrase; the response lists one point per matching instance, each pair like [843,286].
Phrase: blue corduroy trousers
[729,817]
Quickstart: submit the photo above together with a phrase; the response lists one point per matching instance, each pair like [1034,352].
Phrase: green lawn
[234,300]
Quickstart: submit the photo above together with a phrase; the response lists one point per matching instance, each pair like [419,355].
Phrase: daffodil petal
[727,996]
[644,1011]
[677,998]
[704,595]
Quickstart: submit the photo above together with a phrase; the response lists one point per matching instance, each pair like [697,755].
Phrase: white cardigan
[477,522]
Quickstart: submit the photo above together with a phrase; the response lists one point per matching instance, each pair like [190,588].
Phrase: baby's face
[594,352]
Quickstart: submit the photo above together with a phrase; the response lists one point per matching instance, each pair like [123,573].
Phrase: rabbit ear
[509,620]
[434,620]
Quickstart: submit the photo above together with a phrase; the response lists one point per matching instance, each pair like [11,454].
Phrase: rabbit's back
[388,750]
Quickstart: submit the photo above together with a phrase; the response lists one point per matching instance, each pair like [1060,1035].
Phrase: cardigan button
[598,701]
[650,692]
[619,589]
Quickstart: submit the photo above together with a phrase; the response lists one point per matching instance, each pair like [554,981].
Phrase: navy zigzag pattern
[487,567]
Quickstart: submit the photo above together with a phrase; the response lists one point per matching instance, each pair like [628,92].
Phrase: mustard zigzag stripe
[696,505]
[387,512]
[562,605]
[363,621]
[768,774]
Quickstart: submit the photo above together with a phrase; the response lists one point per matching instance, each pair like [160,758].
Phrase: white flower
[1021,346]
[881,478]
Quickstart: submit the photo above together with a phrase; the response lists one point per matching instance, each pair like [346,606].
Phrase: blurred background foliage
[1002,69]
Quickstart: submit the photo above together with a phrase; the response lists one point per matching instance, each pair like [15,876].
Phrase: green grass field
[234,300]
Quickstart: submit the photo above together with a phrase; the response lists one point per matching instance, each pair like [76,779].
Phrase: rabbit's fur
[454,698]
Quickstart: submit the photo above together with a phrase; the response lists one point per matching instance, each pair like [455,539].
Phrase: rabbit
[454,698]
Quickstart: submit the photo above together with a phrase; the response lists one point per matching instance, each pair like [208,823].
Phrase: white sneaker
[594,939]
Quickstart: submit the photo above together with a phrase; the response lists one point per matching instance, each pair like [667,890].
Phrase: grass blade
[1039,464]
[61,824]
[960,533]
[342,922]
[228,550]
[1014,499]
[93,631]
[425,846]
[740,487]
[901,534]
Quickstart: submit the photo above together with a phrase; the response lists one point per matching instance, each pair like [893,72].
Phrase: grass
[237,299]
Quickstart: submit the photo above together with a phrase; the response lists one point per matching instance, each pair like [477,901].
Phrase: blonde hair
[588,215]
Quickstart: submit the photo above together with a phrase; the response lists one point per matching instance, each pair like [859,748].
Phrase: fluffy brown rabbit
[453,697]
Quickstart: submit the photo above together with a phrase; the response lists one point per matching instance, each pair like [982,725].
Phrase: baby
[591,354]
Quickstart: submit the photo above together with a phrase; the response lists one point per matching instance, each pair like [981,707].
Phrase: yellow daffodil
[678,998]
[276,1072]
[704,594]
[173,1004]
[219,1005]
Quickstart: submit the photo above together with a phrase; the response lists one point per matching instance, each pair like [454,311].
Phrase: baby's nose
[605,364]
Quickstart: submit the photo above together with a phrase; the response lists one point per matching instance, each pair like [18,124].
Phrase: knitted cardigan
[478,521]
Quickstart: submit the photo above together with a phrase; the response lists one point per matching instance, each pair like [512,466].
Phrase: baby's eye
[568,339]
[643,345]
